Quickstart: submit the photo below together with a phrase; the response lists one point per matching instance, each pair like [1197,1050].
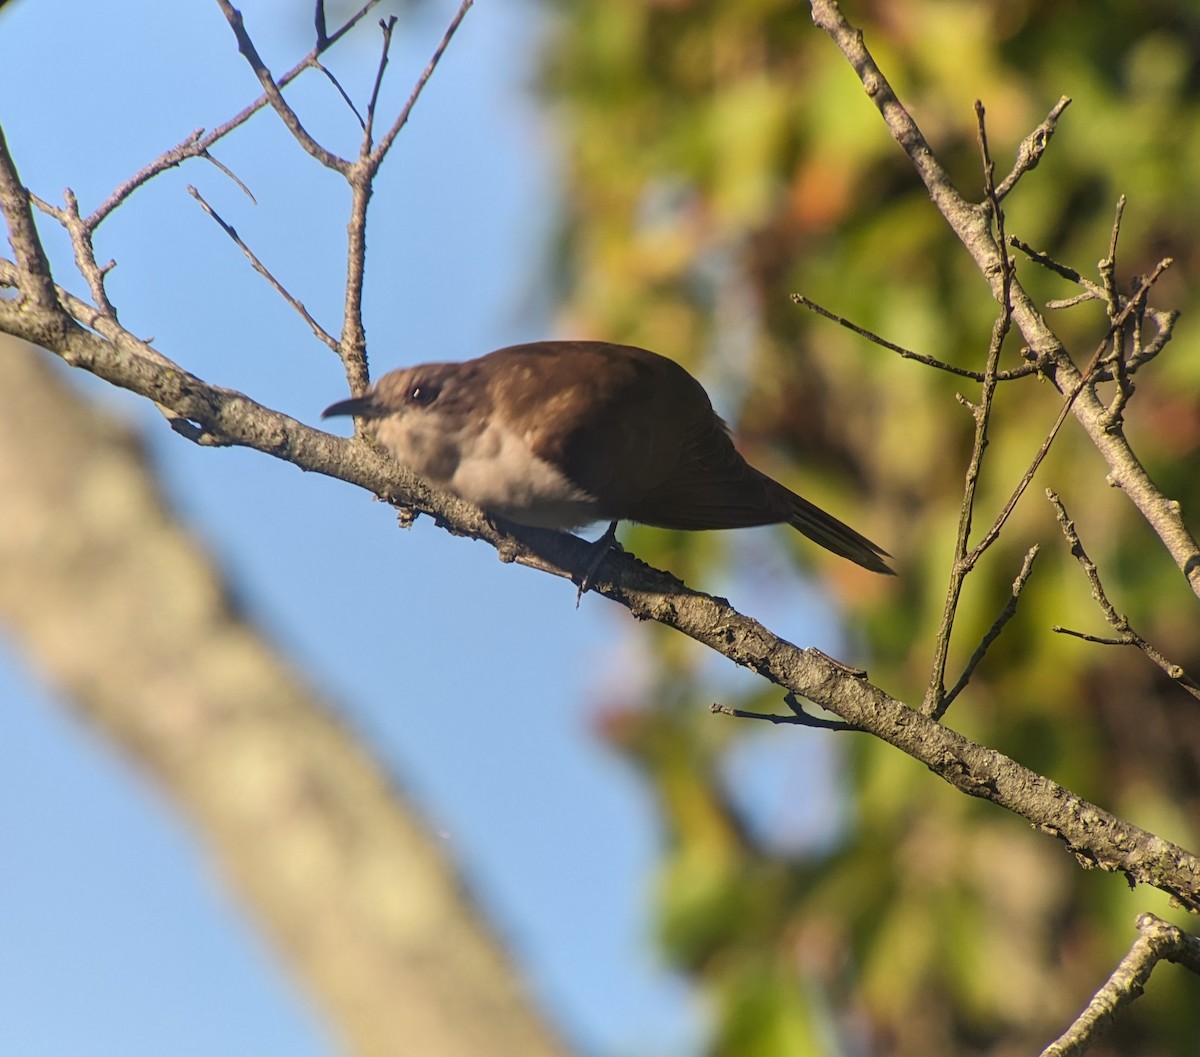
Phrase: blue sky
[119,938]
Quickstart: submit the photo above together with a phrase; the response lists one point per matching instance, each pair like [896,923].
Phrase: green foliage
[721,156]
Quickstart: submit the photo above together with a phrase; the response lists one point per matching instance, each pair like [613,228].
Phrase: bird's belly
[500,473]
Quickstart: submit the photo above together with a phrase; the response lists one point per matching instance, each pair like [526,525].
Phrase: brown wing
[638,433]
[604,413]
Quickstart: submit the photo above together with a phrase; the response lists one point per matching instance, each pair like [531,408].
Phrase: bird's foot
[601,548]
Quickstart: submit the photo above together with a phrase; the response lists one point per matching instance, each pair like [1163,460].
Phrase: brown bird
[561,434]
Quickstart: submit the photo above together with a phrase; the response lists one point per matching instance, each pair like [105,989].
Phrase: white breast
[492,467]
[497,470]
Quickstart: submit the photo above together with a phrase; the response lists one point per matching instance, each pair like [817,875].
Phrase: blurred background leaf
[720,156]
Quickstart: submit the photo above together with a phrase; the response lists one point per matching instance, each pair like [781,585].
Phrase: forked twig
[993,633]
[1086,378]
[198,142]
[936,700]
[360,177]
[274,94]
[402,119]
[387,25]
[1126,636]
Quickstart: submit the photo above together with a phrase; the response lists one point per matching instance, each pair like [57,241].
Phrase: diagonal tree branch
[1094,836]
[971,223]
[1157,941]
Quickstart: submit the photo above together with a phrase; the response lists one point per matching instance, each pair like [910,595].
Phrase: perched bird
[561,434]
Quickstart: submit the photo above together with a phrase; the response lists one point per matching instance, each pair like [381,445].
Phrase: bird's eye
[423,395]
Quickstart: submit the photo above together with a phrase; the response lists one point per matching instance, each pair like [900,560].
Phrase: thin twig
[321,333]
[319,26]
[385,144]
[1126,636]
[360,176]
[280,105]
[1006,614]
[387,25]
[1112,298]
[1059,303]
[329,76]
[1032,147]
[930,361]
[1066,271]
[1101,640]
[1158,941]
[237,180]
[936,701]
[798,718]
[1086,378]
[198,142]
[1108,265]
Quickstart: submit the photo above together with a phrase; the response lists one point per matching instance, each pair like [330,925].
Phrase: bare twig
[971,224]
[237,180]
[1126,636]
[387,25]
[329,76]
[319,25]
[1094,292]
[385,144]
[930,361]
[1158,941]
[297,305]
[1083,380]
[280,105]
[197,143]
[1112,298]
[361,176]
[1006,614]
[35,284]
[1058,303]
[798,717]
[1032,148]
[936,702]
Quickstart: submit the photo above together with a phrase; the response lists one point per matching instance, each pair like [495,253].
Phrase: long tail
[835,536]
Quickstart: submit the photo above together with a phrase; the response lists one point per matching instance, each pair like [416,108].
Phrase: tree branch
[1092,835]
[971,223]
[1159,940]
[1117,621]
[287,115]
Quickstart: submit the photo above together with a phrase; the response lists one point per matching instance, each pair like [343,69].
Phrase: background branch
[1158,940]
[301,819]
